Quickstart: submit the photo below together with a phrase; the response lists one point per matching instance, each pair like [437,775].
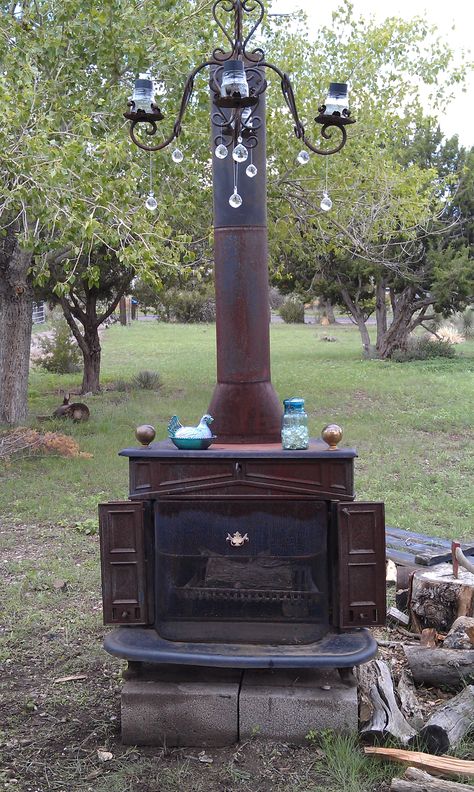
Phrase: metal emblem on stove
[237,540]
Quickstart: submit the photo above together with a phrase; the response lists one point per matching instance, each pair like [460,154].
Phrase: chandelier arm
[185,99]
[289,96]
[327,135]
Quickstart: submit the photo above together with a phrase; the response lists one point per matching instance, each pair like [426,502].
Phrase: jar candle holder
[294,428]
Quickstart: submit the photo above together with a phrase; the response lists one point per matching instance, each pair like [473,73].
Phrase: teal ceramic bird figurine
[175,429]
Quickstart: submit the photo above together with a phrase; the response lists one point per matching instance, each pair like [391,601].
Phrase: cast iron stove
[243,556]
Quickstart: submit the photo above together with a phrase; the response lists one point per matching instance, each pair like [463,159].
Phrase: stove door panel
[124,573]
[361,564]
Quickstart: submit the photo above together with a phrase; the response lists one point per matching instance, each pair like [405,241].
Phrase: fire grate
[245,595]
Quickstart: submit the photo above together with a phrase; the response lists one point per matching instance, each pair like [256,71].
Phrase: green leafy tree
[71,181]
[100,280]
[373,241]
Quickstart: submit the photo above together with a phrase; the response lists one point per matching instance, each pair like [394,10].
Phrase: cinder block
[181,706]
[286,704]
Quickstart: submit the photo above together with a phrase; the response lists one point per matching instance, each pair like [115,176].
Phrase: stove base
[334,650]
[187,706]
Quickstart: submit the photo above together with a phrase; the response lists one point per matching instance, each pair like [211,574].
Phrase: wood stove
[243,555]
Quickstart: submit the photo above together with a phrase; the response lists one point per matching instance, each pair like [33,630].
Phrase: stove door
[241,571]
[124,563]
[361,565]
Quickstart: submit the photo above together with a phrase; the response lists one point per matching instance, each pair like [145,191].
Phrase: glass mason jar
[294,427]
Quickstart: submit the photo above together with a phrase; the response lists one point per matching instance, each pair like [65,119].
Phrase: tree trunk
[396,336]
[380,312]
[328,311]
[16,317]
[88,341]
[359,319]
[91,355]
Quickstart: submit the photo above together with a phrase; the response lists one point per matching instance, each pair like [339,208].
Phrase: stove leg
[132,670]
[347,676]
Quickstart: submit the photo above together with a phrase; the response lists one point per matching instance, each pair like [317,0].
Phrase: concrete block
[181,706]
[285,705]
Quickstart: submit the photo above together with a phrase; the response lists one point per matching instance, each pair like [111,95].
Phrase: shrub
[121,386]
[147,380]
[276,299]
[466,323]
[424,349]
[292,311]
[451,334]
[187,306]
[59,351]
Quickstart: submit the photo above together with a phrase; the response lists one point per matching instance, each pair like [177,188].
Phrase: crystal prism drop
[235,200]
[303,157]
[221,151]
[151,203]
[326,203]
[177,155]
[240,153]
[251,171]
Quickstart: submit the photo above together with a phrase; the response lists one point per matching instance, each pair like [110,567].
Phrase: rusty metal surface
[242,307]
[244,405]
[246,412]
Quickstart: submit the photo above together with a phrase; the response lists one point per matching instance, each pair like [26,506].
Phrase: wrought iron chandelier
[238,81]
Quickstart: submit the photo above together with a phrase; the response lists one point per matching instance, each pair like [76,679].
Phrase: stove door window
[230,570]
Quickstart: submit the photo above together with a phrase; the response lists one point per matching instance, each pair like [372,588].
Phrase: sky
[459,118]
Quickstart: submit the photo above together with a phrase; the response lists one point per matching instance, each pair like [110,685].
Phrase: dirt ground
[60,695]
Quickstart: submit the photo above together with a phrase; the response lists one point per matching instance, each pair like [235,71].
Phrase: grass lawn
[411,423]
[412,426]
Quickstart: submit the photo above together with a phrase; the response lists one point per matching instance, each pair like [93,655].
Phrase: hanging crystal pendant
[303,157]
[177,155]
[251,171]
[221,151]
[326,202]
[235,199]
[240,153]
[151,203]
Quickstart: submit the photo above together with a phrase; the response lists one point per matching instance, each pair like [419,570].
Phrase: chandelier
[238,83]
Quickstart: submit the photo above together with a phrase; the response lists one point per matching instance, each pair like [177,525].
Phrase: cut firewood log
[415,780]
[409,703]
[450,668]
[378,705]
[437,598]
[428,638]
[450,723]
[461,634]
[438,765]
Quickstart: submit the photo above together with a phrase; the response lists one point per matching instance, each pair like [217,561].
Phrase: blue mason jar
[294,427]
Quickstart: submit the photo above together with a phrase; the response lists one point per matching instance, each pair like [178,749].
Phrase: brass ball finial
[332,435]
[145,434]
